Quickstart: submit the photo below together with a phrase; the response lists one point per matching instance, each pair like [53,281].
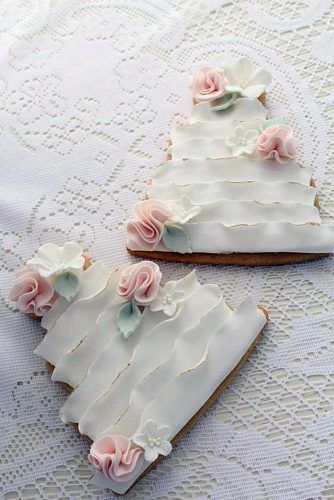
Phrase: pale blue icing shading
[268,123]
[128,318]
[224,102]
[175,238]
[67,285]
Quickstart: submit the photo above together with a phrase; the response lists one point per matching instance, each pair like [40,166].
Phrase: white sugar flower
[244,80]
[243,141]
[154,440]
[53,260]
[183,210]
[168,299]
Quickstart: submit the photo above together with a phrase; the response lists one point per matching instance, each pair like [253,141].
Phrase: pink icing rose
[147,228]
[32,292]
[276,143]
[208,84]
[140,282]
[115,458]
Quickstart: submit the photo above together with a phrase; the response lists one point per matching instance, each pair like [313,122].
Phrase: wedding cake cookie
[141,361]
[231,191]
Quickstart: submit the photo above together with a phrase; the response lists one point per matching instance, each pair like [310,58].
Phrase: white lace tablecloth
[88,92]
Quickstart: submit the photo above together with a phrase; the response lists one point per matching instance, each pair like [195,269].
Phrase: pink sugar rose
[115,457]
[147,228]
[276,143]
[208,84]
[32,292]
[140,282]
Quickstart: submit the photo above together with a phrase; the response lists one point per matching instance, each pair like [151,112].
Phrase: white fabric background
[88,92]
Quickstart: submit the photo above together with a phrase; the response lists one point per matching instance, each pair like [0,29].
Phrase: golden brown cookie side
[230,259]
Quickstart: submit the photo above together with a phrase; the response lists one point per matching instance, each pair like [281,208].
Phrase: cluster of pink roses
[208,84]
[276,143]
[139,286]
[116,458]
[140,283]
[146,229]
[33,293]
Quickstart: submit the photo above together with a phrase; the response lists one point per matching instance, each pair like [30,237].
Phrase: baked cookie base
[230,259]
[224,384]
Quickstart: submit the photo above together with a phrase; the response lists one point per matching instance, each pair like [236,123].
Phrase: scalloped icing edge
[223,385]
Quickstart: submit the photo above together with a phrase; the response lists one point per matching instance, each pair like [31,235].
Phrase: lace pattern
[88,92]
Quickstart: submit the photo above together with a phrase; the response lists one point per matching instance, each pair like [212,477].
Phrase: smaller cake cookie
[141,360]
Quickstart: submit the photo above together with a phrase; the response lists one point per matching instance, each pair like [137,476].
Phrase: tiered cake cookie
[231,192]
[144,360]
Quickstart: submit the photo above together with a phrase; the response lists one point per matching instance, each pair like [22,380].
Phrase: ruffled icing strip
[212,130]
[262,192]
[235,212]
[263,237]
[239,169]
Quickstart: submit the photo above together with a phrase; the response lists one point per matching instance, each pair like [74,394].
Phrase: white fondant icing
[263,192]
[243,109]
[264,237]
[209,130]
[232,213]
[81,315]
[72,367]
[188,351]
[115,356]
[223,352]
[151,352]
[231,169]
[119,378]
[92,282]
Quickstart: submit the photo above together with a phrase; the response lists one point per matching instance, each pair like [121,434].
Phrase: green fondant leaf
[128,318]
[67,285]
[224,102]
[175,238]
[268,123]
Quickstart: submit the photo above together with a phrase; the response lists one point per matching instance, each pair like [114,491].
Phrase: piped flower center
[168,299]
[154,441]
